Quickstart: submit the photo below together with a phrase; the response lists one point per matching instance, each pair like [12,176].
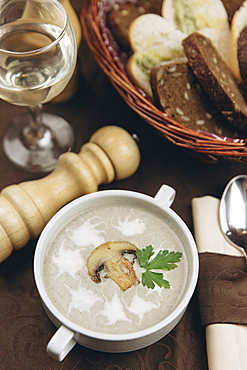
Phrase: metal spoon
[233,213]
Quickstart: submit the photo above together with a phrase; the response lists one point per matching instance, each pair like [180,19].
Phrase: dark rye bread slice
[216,79]
[178,93]
[121,16]
[119,20]
[242,55]
[154,6]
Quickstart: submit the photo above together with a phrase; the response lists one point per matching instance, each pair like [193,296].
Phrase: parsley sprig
[164,260]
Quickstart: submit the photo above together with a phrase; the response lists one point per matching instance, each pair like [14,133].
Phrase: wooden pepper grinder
[111,153]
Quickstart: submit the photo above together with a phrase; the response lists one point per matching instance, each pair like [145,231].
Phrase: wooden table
[24,326]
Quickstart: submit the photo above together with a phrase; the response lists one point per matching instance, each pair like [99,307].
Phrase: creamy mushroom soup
[104,307]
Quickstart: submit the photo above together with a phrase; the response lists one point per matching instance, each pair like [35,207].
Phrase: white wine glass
[38,54]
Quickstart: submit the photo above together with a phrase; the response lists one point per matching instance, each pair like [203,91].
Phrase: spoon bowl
[233,213]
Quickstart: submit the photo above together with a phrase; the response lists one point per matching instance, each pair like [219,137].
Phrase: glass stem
[36,120]
[36,135]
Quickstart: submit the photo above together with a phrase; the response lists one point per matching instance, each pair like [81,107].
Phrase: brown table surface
[24,327]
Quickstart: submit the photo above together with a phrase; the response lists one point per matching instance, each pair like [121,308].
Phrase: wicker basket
[112,60]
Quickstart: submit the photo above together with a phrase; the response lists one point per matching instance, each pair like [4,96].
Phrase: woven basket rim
[212,149]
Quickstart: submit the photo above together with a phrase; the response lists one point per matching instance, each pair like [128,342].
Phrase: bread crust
[137,76]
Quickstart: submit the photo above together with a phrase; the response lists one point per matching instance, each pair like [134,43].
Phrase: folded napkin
[222,289]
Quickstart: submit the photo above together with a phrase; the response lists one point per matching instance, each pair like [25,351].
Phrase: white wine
[38,54]
[33,69]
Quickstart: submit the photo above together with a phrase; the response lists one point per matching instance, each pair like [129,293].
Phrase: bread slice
[121,16]
[231,7]
[119,19]
[140,65]
[208,17]
[153,40]
[217,79]
[151,31]
[154,6]
[242,55]
[178,93]
[239,21]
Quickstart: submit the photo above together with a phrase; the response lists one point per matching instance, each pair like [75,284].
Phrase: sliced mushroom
[111,259]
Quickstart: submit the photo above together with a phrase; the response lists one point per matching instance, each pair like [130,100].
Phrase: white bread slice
[153,31]
[208,17]
[137,74]
[239,21]
[153,40]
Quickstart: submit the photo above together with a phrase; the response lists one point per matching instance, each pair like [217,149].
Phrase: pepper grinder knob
[111,153]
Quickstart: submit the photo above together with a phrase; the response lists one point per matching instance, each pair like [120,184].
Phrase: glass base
[58,138]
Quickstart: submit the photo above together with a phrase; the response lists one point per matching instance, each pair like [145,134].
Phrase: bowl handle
[61,343]
[165,195]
